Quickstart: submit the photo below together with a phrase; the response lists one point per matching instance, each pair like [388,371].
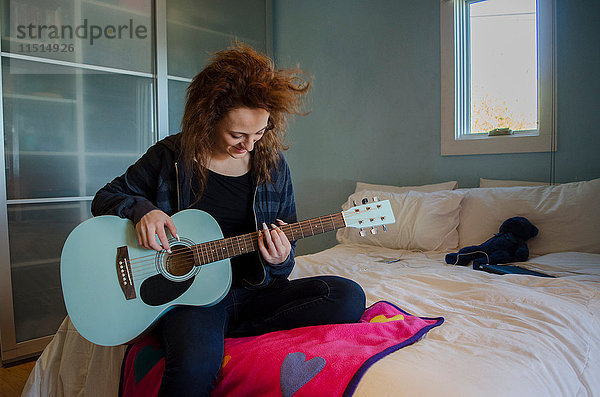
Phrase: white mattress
[502,336]
[509,335]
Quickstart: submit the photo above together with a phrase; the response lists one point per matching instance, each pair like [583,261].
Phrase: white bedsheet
[72,366]
[502,336]
[509,335]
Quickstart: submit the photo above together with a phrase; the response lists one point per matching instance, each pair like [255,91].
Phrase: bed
[501,335]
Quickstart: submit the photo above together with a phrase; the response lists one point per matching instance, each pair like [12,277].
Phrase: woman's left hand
[273,244]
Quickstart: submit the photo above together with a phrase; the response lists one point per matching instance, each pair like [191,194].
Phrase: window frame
[455,86]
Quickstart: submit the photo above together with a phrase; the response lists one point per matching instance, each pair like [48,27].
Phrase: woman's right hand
[153,224]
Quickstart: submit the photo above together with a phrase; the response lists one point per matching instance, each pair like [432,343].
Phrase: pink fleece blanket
[326,360]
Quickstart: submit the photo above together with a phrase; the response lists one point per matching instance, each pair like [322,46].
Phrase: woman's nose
[249,144]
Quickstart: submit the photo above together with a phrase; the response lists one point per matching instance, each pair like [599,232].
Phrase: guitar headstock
[369,215]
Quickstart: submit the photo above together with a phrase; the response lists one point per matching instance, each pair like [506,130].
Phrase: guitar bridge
[124,275]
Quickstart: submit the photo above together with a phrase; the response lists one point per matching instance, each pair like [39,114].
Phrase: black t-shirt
[229,199]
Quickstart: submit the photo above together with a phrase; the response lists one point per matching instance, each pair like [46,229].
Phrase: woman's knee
[349,298]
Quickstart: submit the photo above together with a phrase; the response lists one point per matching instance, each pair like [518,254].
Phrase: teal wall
[375,103]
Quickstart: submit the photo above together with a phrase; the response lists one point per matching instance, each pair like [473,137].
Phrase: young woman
[227,161]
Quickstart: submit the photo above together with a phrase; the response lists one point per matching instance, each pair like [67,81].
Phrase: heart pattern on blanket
[383,319]
[145,359]
[296,372]
[225,361]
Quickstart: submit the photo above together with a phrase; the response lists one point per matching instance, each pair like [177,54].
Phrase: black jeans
[193,337]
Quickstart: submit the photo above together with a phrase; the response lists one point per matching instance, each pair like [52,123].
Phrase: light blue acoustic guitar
[114,290]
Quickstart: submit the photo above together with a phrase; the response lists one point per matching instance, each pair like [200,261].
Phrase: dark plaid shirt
[158,180]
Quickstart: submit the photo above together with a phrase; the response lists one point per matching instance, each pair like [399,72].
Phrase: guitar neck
[216,250]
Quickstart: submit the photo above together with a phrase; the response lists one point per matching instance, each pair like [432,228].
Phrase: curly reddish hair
[240,77]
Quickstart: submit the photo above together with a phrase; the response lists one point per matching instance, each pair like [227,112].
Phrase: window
[498,76]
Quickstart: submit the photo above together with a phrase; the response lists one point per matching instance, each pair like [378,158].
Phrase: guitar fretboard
[217,250]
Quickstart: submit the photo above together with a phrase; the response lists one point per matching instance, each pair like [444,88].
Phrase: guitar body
[93,284]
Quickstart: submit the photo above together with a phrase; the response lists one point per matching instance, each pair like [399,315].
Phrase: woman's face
[238,131]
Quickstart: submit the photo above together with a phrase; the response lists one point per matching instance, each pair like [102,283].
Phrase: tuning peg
[373,230]
[376,198]
[365,200]
[362,232]
[354,203]
[384,228]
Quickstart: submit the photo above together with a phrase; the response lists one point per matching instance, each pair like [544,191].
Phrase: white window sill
[495,144]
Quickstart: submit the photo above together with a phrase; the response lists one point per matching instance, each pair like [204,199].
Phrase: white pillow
[567,215]
[424,221]
[436,187]
[508,183]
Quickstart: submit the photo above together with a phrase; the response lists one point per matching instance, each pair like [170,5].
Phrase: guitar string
[212,252]
[308,226]
[209,249]
[141,273]
[215,243]
[224,244]
[209,255]
[147,264]
[150,268]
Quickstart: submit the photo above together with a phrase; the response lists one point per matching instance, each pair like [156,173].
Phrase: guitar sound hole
[181,261]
